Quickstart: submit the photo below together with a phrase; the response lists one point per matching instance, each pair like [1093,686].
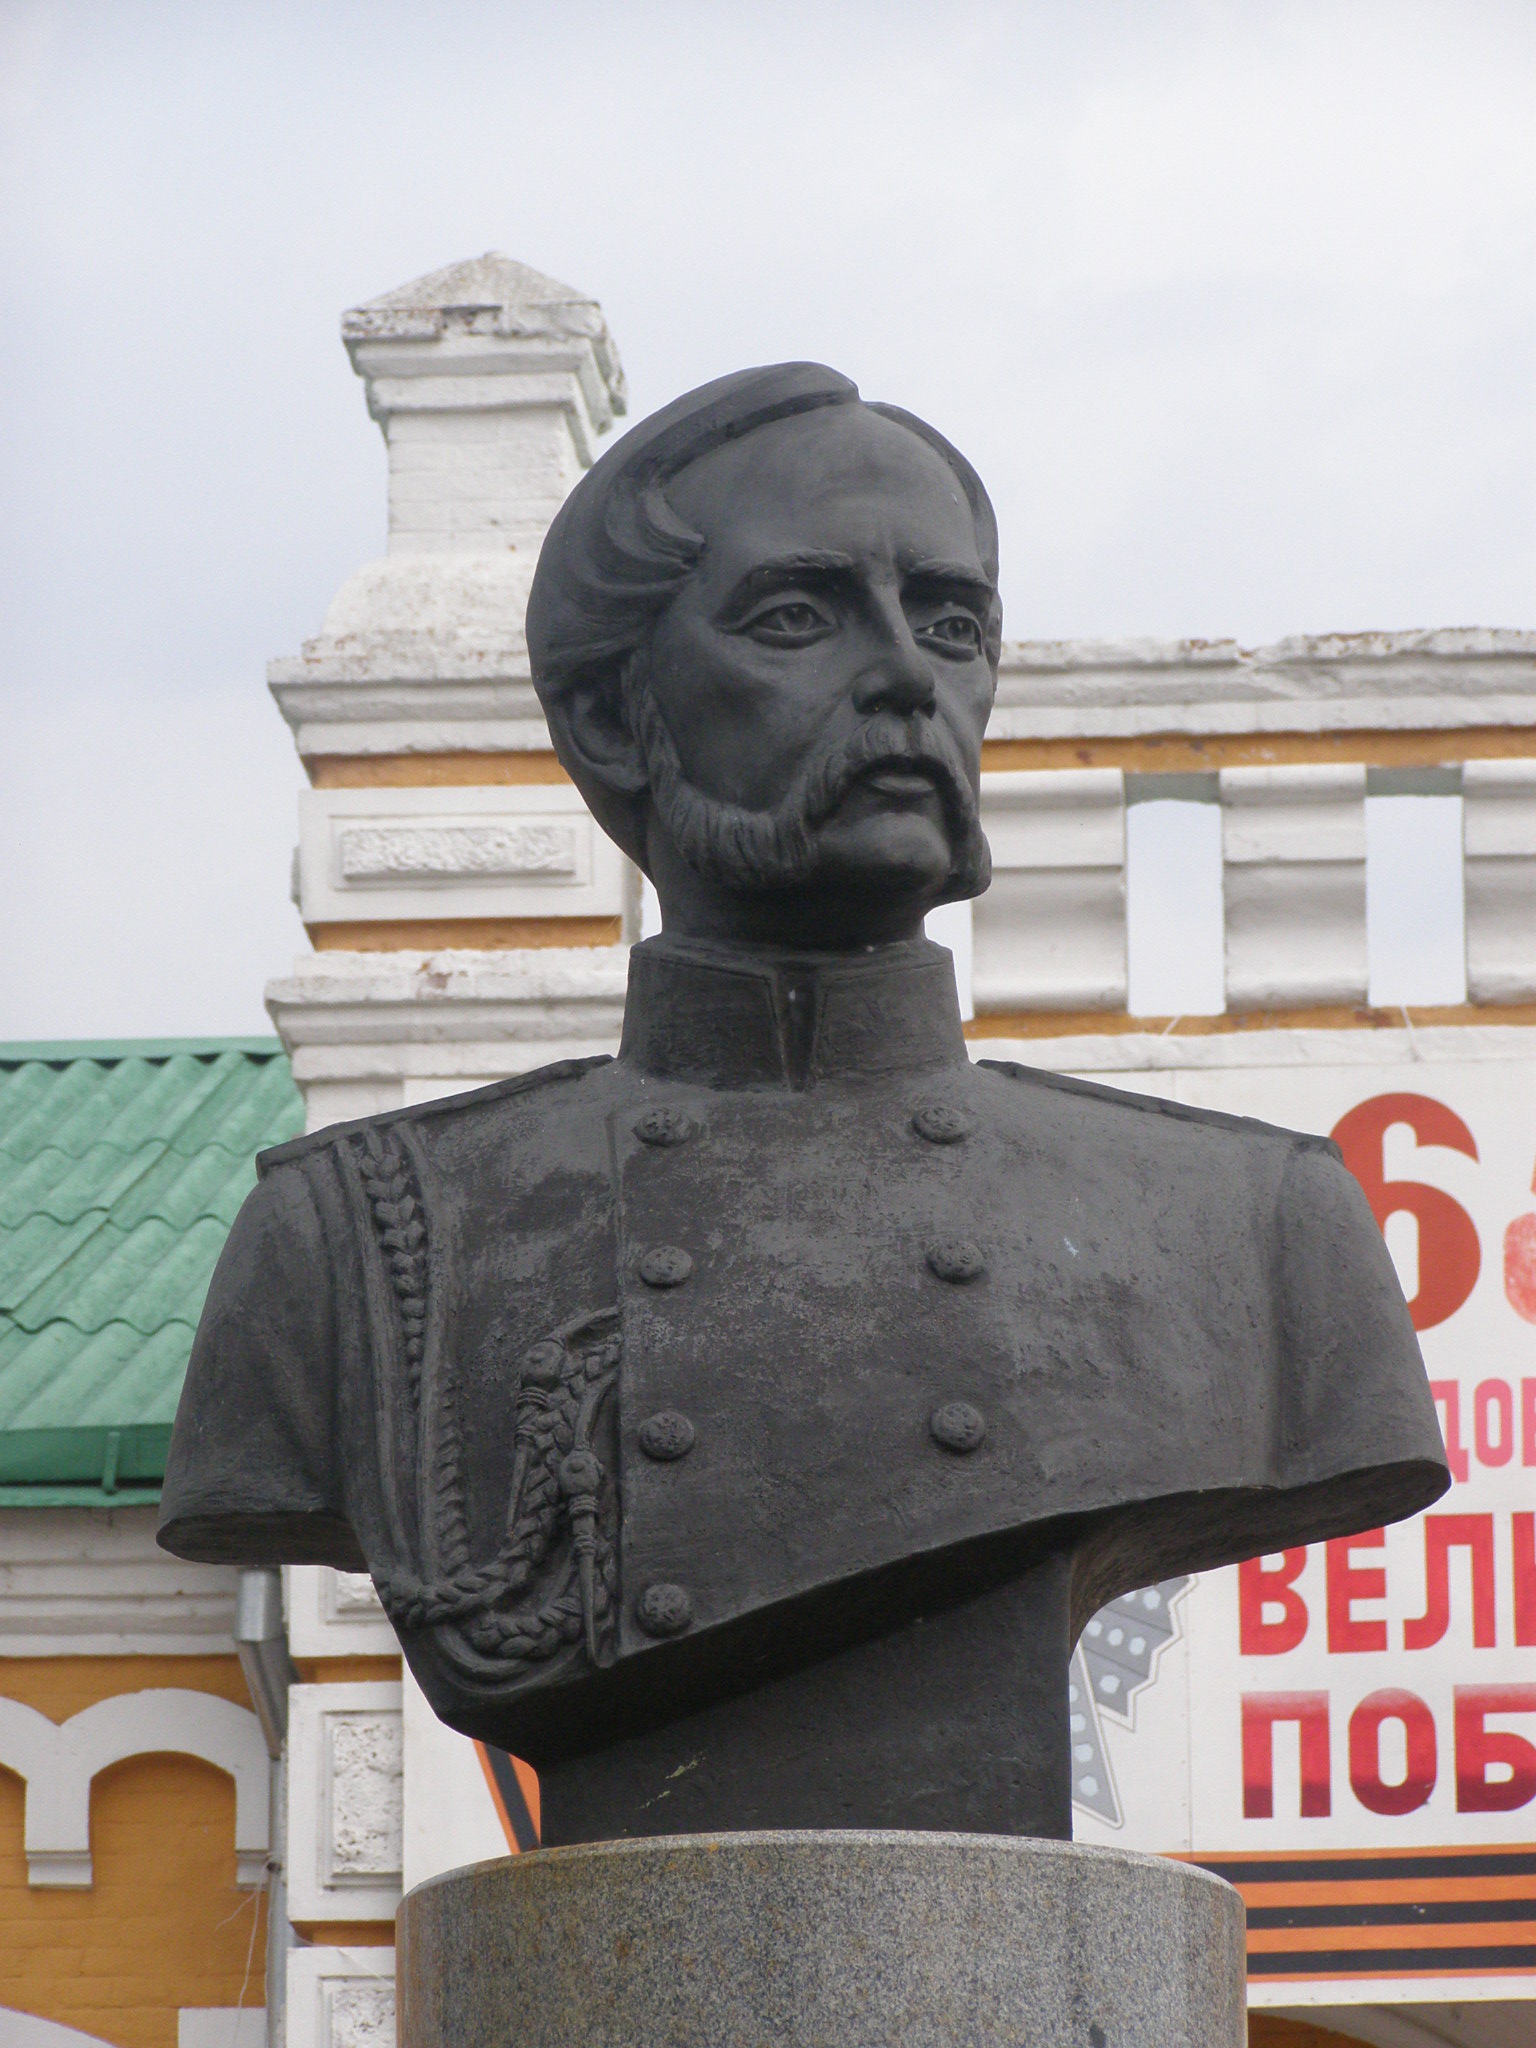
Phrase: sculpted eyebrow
[816,566]
[957,577]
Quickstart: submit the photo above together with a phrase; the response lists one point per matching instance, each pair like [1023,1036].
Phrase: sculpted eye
[790,624]
[955,632]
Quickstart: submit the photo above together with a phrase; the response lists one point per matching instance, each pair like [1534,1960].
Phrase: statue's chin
[901,856]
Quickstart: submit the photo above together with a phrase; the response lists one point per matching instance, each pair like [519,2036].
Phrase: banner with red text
[1349,1731]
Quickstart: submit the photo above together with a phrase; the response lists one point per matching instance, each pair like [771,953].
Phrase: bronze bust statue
[742,1429]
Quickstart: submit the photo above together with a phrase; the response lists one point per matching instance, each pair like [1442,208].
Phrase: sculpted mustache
[885,743]
[777,849]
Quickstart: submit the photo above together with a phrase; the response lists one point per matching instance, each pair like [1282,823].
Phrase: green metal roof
[122,1164]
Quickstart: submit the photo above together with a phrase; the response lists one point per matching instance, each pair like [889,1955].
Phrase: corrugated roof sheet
[122,1165]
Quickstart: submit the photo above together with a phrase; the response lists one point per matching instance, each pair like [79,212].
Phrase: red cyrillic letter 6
[1478,1746]
[1449,1254]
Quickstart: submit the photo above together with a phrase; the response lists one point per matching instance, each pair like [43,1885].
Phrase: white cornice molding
[374,1031]
[92,1582]
[489,335]
[538,994]
[1112,1053]
[360,690]
[1332,682]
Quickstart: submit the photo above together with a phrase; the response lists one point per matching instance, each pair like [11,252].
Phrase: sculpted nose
[899,679]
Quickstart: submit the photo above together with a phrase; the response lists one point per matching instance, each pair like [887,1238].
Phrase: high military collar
[741,1018]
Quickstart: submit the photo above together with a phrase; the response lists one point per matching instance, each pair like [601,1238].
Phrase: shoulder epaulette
[420,1112]
[1159,1105]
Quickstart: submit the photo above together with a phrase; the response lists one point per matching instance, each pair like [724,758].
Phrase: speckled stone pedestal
[836,1940]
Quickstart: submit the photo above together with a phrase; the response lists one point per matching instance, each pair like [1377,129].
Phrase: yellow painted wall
[164,1925]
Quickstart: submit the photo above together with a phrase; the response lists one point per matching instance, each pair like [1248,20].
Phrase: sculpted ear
[589,724]
[596,731]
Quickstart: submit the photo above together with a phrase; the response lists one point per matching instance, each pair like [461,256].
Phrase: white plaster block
[345,1802]
[1499,867]
[341,1998]
[515,851]
[26,2030]
[221,2026]
[462,481]
[950,926]
[450,1817]
[335,1614]
[343,1102]
[1293,867]
[1050,932]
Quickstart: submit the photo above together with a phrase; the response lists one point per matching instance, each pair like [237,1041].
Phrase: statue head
[765,631]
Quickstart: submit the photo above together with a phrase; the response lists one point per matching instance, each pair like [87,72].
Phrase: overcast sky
[1233,305]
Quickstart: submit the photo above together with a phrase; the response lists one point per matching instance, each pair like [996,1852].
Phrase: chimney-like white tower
[467,916]
[493,386]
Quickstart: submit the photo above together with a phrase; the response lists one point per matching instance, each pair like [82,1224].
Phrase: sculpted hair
[617,553]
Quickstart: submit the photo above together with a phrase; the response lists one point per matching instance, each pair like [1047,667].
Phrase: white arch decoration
[59,1761]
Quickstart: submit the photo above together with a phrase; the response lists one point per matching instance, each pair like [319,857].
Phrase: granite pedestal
[823,1940]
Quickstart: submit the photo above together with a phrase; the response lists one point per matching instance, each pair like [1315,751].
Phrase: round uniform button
[664,1610]
[956,1258]
[666,1436]
[664,1265]
[665,1127]
[957,1426]
[940,1124]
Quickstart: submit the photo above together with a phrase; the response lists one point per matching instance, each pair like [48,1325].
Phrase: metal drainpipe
[262,1644]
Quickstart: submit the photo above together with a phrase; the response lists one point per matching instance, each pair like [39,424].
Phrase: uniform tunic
[741,1430]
